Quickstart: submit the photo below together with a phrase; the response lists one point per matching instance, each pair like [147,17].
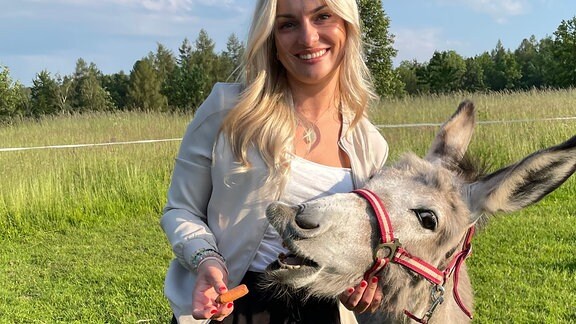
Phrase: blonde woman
[292,130]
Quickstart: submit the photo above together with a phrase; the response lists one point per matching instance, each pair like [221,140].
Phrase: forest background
[165,81]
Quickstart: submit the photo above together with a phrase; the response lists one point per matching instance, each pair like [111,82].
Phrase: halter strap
[390,250]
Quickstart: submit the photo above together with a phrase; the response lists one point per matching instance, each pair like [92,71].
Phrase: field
[81,242]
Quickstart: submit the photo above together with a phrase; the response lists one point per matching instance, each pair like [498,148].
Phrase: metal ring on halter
[390,248]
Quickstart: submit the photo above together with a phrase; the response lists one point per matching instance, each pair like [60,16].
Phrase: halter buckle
[389,249]
[437,297]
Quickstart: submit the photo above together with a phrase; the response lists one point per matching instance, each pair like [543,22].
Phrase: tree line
[535,64]
[165,81]
[160,81]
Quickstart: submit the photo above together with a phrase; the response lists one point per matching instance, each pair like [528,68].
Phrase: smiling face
[309,40]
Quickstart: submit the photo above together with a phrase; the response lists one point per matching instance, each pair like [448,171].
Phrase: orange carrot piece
[232,294]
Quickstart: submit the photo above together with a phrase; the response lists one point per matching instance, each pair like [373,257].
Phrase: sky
[52,35]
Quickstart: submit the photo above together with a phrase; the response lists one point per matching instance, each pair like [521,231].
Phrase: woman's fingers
[223,312]
[210,283]
[363,297]
[205,312]
[354,295]
[367,296]
[345,296]
[377,300]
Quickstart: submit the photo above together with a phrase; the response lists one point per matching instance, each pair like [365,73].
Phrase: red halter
[390,250]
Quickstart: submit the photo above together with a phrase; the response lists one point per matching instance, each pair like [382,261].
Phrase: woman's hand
[210,283]
[365,296]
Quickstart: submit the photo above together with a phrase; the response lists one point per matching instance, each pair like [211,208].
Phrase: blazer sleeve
[184,219]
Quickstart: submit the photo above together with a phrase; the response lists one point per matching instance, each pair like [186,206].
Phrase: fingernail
[213,311]
[229,305]
[222,288]
[350,290]
[363,284]
[374,279]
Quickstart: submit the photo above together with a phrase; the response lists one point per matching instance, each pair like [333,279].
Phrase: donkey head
[431,202]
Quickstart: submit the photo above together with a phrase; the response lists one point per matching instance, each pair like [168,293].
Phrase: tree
[164,62]
[186,83]
[549,64]
[117,86]
[230,59]
[565,53]
[44,95]
[144,89]
[414,76]
[64,92]
[505,73]
[378,49]
[446,71]
[528,57]
[406,72]
[10,95]
[205,60]
[473,78]
[87,91]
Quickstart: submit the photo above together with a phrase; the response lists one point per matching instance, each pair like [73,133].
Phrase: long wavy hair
[264,117]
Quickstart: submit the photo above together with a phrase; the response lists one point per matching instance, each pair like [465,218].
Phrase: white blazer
[209,207]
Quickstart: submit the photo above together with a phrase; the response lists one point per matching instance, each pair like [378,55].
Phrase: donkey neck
[405,291]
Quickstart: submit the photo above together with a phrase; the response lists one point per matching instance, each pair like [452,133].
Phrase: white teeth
[290,267]
[282,258]
[312,55]
[289,262]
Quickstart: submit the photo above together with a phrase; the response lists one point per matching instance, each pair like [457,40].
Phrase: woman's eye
[427,218]
[285,25]
[323,17]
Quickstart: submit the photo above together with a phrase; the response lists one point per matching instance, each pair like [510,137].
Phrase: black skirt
[261,306]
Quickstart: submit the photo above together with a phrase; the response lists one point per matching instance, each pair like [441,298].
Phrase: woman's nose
[309,34]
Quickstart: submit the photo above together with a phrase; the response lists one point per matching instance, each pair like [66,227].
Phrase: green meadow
[80,240]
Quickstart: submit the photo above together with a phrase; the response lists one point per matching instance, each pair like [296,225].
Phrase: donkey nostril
[305,221]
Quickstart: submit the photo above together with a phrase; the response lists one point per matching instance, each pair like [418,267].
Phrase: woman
[292,131]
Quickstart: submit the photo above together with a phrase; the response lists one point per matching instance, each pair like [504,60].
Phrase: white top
[307,181]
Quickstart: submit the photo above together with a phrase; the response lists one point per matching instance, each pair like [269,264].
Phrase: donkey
[411,226]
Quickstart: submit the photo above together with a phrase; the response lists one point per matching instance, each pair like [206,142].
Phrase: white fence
[12,149]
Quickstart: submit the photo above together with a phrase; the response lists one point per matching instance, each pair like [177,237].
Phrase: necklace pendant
[309,136]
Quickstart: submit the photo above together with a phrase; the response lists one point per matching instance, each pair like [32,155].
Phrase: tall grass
[79,227]
[81,242]
[59,188]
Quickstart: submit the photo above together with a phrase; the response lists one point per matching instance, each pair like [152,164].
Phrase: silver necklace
[310,128]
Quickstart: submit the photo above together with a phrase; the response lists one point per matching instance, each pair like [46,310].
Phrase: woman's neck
[312,101]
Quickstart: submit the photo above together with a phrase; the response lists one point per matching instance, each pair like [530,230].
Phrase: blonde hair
[263,118]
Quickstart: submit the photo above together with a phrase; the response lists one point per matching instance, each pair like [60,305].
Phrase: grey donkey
[431,204]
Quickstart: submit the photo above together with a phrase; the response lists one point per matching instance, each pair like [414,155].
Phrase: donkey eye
[427,218]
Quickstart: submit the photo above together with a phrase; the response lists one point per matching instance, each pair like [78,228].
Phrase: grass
[79,228]
[81,241]
[101,274]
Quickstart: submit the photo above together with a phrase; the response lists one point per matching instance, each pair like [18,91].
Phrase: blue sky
[52,34]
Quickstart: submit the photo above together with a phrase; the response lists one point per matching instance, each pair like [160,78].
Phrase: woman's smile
[312,55]
[309,41]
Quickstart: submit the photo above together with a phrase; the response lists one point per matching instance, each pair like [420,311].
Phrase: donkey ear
[452,140]
[524,183]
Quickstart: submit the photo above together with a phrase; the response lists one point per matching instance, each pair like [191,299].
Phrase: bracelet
[203,254]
